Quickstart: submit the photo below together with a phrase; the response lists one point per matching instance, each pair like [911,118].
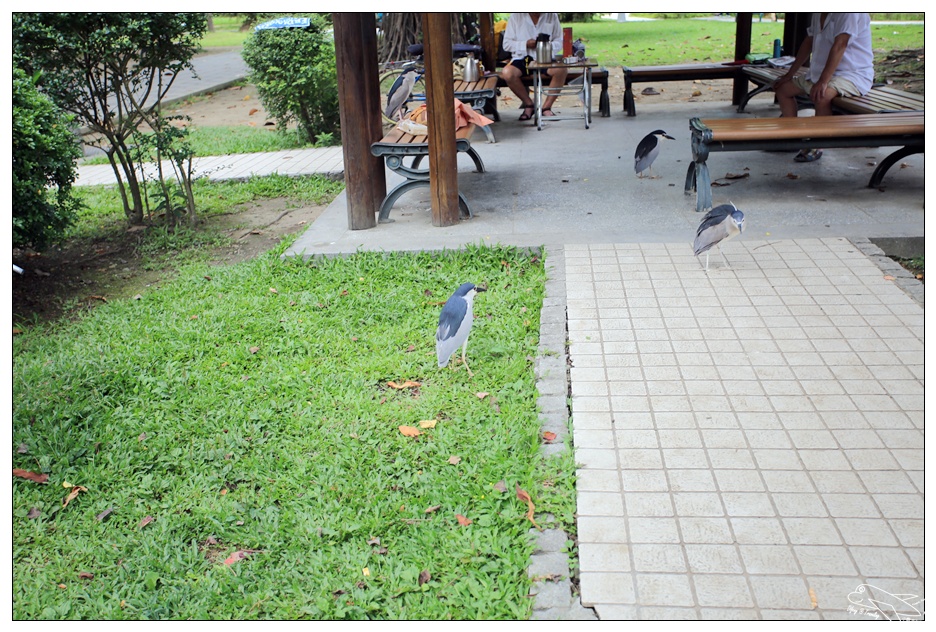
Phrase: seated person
[838,46]
[520,41]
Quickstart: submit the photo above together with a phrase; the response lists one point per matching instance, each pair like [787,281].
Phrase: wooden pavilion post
[359,110]
[440,108]
[488,45]
[742,48]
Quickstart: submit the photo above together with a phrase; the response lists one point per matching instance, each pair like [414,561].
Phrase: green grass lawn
[659,42]
[236,440]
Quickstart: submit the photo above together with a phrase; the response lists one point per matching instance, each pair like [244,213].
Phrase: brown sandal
[527,116]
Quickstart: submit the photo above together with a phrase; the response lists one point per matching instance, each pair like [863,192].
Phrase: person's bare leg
[824,105]
[557,77]
[513,78]
[786,98]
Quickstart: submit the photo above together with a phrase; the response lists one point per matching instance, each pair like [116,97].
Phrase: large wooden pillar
[359,109]
[488,45]
[742,48]
[795,26]
[440,108]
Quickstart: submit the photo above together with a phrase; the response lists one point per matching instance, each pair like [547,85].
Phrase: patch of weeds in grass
[102,210]
[914,265]
[250,416]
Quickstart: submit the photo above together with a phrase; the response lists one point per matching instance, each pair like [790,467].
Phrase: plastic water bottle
[776,48]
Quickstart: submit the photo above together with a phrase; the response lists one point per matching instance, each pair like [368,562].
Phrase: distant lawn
[674,41]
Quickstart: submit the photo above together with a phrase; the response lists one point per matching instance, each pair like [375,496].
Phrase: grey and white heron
[455,324]
[399,93]
[720,224]
[647,151]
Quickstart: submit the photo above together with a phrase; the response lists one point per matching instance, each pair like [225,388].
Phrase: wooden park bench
[599,77]
[892,129]
[880,98]
[676,72]
[397,145]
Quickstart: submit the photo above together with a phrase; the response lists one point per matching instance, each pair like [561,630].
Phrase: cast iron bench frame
[676,72]
[890,129]
[397,145]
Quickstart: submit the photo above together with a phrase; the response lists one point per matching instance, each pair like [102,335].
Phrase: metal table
[540,91]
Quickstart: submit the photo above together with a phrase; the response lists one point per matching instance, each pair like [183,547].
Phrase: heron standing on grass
[647,151]
[721,223]
[455,324]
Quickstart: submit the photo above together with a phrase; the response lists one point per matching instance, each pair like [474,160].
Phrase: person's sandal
[550,112]
[527,113]
[810,155]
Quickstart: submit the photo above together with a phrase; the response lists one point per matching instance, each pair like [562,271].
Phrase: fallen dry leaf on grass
[31,476]
[406,384]
[424,576]
[409,431]
[454,460]
[549,436]
[77,489]
[525,497]
[238,555]
[146,521]
[462,520]
[500,486]
[428,423]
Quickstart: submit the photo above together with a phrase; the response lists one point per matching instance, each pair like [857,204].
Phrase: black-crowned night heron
[721,223]
[647,151]
[455,324]
[400,92]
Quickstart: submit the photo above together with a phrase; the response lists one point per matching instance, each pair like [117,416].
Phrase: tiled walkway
[750,441]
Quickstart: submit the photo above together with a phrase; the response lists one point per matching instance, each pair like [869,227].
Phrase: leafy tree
[44,166]
[111,70]
[294,72]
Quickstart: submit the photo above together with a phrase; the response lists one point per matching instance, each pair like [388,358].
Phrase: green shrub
[294,71]
[45,155]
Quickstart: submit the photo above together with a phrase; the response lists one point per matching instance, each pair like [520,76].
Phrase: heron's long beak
[480,288]
[668,136]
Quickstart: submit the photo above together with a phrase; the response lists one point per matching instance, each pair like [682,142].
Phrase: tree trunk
[401,30]
[210,22]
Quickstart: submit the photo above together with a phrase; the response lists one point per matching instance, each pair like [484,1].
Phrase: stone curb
[902,277]
[549,565]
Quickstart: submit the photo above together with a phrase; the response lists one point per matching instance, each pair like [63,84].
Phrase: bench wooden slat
[905,130]
[815,126]
[674,72]
[878,99]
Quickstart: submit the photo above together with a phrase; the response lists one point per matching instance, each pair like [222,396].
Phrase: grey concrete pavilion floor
[749,440]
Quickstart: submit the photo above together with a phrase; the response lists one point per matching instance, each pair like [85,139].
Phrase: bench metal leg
[604,101]
[488,133]
[698,178]
[472,153]
[409,185]
[890,161]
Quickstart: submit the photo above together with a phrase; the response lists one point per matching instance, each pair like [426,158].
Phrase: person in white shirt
[838,47]
[520,41]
